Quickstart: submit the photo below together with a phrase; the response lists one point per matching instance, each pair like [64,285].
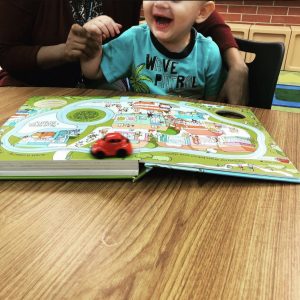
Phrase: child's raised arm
[99,29]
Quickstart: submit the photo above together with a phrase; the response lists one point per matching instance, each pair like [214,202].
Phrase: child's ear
[205,11]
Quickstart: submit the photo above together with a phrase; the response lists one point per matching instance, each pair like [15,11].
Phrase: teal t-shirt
[195,72]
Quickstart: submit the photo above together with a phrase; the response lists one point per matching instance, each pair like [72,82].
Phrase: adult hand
[235,88]
[79,43]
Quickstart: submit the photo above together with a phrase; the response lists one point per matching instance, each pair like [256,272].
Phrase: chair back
[263,70]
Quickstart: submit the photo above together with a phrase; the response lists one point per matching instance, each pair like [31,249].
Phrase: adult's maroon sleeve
[16,24]
[220,32]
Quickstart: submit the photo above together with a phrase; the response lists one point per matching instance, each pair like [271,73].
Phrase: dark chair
[263,70]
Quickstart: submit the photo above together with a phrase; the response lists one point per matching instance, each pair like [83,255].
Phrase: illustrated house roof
[43,134]
[151,106]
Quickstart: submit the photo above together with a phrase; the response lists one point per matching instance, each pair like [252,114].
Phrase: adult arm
[235,88]
[16,19]
[78,44]
[25,47]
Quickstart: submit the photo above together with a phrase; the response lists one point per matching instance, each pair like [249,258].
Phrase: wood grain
[172,235]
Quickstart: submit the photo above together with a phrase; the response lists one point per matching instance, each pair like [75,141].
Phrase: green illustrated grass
[86,115]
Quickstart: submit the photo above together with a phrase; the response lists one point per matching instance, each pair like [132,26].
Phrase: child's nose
[161,4]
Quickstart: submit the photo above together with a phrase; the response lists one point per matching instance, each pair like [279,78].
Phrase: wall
[267,12]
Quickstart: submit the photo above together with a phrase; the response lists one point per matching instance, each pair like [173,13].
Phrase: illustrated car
[112,144]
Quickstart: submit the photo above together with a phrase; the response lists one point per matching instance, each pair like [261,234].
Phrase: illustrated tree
[137,80]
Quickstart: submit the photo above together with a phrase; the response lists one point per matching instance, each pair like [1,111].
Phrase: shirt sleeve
[16,22]
[117,57]
[220,32]
[215,73]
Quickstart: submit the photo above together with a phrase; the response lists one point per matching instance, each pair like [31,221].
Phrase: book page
[166,133]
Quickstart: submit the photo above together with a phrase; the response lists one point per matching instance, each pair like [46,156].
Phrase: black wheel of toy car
[99,154]
[121,153]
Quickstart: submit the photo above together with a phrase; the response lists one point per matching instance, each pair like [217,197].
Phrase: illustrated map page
[163,132]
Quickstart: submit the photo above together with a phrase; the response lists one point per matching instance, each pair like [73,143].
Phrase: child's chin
[162,35]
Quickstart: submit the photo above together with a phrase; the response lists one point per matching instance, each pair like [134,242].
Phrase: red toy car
[112,144]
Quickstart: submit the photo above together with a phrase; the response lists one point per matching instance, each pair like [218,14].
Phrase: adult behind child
[38,45]
[166,56]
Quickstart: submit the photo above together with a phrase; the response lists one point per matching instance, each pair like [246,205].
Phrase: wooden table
[171,235]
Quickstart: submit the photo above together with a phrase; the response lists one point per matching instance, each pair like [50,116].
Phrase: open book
[51,137]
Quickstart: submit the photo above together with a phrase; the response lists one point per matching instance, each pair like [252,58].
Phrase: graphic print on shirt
[137,78]
[164,75]
[85,10]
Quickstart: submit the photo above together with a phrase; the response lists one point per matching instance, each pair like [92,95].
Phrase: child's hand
[102,27]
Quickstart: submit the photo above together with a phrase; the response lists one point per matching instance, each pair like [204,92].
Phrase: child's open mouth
[162,22]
